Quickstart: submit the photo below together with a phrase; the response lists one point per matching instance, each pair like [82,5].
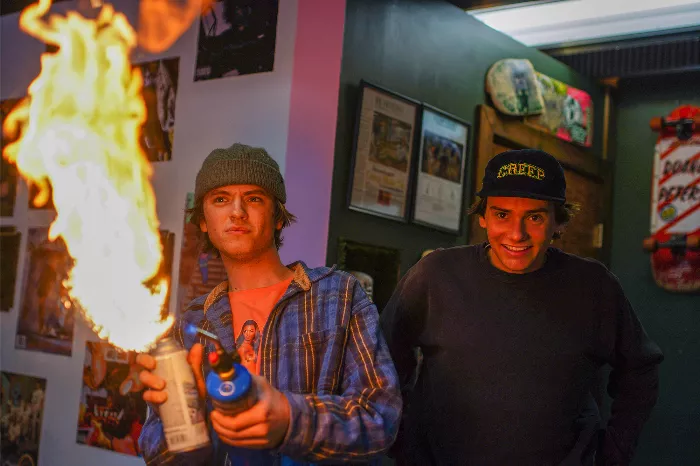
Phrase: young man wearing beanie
[326,386]
[513,333]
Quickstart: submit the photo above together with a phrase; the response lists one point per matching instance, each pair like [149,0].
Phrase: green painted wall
[672,436]
[430,51]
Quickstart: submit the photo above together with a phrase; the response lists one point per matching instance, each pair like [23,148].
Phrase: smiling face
[239,220]
[519,231]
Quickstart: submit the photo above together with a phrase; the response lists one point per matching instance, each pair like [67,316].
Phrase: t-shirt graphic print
[250,309]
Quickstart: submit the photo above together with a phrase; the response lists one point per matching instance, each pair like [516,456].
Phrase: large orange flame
[161,22]
[79,131]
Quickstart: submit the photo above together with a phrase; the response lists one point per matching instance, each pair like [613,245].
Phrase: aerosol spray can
[229,384]
[183,414]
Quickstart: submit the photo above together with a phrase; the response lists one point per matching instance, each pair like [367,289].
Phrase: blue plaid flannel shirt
[323,348]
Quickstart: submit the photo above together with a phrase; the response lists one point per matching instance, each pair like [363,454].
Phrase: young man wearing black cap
[513,333]
[327,389]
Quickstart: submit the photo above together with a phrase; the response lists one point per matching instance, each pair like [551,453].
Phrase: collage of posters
[200,271]
[47,316]
[236,37]
[22,399]
[112,410]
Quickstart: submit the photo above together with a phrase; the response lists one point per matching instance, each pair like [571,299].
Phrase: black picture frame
[363,155]
[441,184]
[381,263]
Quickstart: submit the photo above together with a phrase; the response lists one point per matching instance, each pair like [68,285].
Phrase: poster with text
[47,316]
[160,79]
[8,171]
[382,157]
[111,411]
[200,271]
[9,252]
[22,398]
[440,185]
[236,37]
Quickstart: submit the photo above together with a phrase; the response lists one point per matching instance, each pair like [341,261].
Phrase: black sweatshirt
[510,360]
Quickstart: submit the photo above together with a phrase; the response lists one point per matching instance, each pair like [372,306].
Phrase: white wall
[252,109]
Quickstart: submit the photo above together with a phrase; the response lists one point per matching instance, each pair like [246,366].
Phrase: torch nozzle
[192,330]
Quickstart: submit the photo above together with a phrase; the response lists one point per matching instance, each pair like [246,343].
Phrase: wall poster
[200,271]
[47,316]
[22,399]
[236,37]
[160,79]
[112,410]
[9,251]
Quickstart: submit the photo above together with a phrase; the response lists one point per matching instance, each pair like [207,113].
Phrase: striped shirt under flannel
[323,348]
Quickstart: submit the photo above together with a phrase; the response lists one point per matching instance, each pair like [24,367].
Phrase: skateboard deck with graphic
[568,112]
[674,243]
[512,85]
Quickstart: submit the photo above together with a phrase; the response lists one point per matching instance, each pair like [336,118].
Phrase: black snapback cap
[528,173]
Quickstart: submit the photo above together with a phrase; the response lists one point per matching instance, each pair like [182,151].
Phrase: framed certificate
[385,130]
[441,172]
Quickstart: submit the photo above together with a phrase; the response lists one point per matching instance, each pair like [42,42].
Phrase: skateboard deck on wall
[512,85]
[568,112]
[674,243]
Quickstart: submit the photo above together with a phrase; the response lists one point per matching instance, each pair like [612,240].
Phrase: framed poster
[378,265]
[441,174]
[385,131]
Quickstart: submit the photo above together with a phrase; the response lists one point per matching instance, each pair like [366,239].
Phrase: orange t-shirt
[250,309]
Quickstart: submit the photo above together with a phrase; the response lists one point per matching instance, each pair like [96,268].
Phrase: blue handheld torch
[229,384]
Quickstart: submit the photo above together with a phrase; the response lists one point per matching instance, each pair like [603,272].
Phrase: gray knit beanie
[240,164]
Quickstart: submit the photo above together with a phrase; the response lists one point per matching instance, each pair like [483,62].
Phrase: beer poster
[112,410]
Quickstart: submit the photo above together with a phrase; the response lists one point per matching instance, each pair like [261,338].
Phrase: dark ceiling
[471,4]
